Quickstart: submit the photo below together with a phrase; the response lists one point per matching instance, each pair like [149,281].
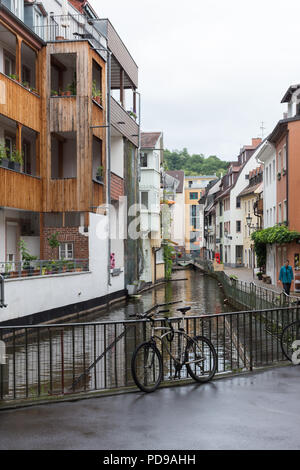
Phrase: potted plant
[26,259]
[96,93]
[132,114]
[72,88]
[99,174]
[16,159]
[54,93]
[259,275]
[13,76]
[279,176]
[4,161]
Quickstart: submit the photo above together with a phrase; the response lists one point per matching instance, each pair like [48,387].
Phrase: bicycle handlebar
[155,307]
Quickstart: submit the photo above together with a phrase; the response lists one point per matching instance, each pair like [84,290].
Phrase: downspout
[108,166]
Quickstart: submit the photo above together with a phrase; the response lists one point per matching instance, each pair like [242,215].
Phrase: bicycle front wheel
[147,367]
[290,334]
[201,359]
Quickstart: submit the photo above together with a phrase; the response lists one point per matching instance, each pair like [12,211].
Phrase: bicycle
[196,353]
[289,335]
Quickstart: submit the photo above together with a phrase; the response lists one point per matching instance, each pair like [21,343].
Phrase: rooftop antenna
[262,128]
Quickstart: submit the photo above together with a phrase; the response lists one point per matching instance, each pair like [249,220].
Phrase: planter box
[132,289]
[5,163]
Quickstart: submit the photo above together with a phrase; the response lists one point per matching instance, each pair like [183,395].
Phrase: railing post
[251,341]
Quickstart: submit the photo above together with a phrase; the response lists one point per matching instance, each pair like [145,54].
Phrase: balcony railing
[70,28]
[34,268]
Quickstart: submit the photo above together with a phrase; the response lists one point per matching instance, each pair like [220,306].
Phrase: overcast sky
[210,71]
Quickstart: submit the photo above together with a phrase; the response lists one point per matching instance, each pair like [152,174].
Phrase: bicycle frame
[181,333]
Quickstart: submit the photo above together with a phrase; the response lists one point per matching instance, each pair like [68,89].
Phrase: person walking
[286,276]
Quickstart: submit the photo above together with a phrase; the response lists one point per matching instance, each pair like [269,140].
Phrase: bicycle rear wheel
[290,334]
[146,367]
[202,356]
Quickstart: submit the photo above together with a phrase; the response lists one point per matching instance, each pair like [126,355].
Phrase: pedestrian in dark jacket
[286,276]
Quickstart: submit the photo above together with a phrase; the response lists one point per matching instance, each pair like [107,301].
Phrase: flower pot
[68,93]
[11,165]
[98,99]
[17,167]
[99,178]
[132,289]
[5,163]
[60,38]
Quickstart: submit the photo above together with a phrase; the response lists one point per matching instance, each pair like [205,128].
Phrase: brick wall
[117,187]
[67,234]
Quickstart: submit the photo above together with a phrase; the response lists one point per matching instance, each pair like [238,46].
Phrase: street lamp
[249,220]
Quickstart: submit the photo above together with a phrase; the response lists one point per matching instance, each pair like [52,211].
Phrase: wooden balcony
[63,115]
[19,104]
[62,195]
[20,191]
[98,195]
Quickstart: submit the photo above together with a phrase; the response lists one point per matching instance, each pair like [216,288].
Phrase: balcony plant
[96,93]
[99,174]
[13,76]
[16,159]
[26,259]
[54,93]
[71,89]
[279,176]
[132,114]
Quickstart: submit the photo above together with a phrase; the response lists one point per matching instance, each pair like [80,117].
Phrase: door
[11,243]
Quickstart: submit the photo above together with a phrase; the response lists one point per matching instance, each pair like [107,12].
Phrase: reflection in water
[49,360]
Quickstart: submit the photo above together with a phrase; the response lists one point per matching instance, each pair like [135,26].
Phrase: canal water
[50,360]
[190,287]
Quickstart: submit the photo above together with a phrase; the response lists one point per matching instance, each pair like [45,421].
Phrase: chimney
[256,141]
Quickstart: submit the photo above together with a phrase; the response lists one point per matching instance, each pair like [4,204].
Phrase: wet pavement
[254,411]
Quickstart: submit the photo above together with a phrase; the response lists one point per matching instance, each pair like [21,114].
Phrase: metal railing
[70,28]
[65,359]
[21,269]
[246,293]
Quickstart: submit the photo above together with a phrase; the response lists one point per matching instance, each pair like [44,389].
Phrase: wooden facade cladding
[98,196]
[63,195]
[20,191]
[129,129]
[63,115]
[20,104]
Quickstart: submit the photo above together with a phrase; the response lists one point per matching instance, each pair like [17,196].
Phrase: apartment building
[151,158]
[267,156]
[251,203]
[194,187]
[178,219]
[285,139]
[66,160]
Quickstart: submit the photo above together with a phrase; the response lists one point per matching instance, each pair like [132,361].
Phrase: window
[221,230]
[66,251]
[144,199]
[238,225]
[195,217]
[285,211]
[190,184]
[267,176]
[284,157]
[193,195]
[238,203]
[144,160]
[221,208]
[273,170]
[279,162]
[9,64]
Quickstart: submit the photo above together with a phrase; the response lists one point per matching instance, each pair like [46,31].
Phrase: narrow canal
[49,360]
[198,290]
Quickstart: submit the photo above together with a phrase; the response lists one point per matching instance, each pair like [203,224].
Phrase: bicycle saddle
[183,310]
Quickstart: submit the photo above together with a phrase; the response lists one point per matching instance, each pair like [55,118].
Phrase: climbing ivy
[168,253]
[278,234]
